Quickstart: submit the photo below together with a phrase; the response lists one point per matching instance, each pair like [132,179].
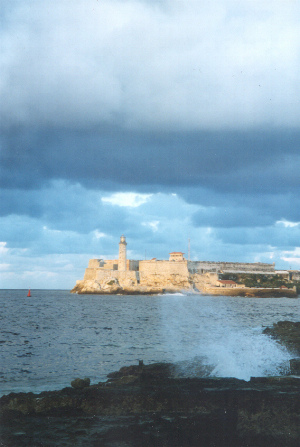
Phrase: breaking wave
[214,338]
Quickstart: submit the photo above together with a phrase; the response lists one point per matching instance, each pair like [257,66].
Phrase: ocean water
[54,336]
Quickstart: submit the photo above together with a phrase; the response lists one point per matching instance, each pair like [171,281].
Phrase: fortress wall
[247,266]
[100,269]
[178,282]
[109,264]
[251,267]
[133,265]
[163,268]
[90,274]
[164,274]
[112,264]
[106,275]
[99,274]
[121,276]
[94,263]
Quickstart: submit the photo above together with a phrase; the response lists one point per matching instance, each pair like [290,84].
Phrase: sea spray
[208,340]
[247,353]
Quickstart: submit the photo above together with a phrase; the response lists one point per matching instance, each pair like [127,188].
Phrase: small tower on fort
[122,254]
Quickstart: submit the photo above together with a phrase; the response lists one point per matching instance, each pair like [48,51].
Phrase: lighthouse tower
[122,254]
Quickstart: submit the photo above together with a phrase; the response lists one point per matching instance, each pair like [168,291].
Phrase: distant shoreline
[243,292]
[253,292]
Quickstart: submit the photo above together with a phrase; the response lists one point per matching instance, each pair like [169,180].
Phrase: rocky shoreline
[150,405]
[91,288]
[287,333]
[252,292]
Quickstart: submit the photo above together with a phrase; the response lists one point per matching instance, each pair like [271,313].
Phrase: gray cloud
[274,237]
[247,162]
[230,217]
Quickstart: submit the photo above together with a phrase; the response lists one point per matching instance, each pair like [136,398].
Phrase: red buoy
[29,294]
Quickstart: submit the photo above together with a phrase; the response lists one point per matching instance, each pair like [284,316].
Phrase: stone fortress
[177,274]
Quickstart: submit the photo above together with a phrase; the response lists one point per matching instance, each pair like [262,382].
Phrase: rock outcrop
[286,333]
[146,406]
[115,287]
[80,383]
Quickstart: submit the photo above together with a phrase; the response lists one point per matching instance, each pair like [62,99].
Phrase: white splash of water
[246,354]
[225,342]
[173,294]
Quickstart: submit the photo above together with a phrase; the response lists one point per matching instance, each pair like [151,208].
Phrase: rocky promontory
[86,287]
[114,287]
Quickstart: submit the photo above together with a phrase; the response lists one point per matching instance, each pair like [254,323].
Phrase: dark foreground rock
[286,333]
[80,383]
[147,406]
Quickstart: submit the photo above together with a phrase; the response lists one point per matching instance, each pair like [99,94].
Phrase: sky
[163,120]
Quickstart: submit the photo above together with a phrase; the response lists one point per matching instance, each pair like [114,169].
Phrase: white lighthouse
[122,254]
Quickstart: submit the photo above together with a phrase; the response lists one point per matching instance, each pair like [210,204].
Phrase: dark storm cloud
[239,179]
[247,162]
[150,95]
[235,209]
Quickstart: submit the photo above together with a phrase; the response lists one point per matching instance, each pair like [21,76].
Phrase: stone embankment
[151,406]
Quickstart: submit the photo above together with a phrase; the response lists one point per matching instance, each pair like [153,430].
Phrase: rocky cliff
[156,284]
[115,286]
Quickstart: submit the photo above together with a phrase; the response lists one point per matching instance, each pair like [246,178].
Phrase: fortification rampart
[229,267]
[163,268]
[103,275]
[107,264]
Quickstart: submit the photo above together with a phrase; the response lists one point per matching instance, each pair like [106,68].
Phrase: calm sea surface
[54,336]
